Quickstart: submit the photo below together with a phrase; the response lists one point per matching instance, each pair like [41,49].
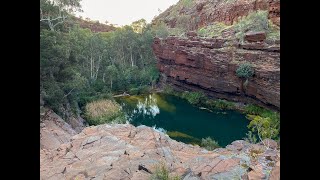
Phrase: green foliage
[194,97]
[265,121]
[187,3]
[168,90]
[255,21]
[264,127]
[253,109]
[161,30]
[177,32]
[245,70]
[209,143]
[220,104]
[162,173]
[274,32]
[214,30]
[139,90]
[79,66]
[251,138]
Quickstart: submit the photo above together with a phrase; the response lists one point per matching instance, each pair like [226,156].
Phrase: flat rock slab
[128,152]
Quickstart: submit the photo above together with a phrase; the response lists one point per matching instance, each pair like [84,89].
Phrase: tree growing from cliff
[245,71]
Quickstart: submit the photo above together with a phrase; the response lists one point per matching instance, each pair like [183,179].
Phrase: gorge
[194,95]
[209,65]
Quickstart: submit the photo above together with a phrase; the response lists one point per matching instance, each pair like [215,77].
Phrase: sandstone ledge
[209,65]
[127,152]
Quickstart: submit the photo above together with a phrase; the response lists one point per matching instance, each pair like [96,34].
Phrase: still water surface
[183,121]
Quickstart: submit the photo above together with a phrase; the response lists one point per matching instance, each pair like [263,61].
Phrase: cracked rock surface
[122,151]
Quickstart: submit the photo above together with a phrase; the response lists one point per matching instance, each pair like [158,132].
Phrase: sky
[123,12]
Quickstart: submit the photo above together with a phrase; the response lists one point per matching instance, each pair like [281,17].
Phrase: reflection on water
[182,121]
[147,106]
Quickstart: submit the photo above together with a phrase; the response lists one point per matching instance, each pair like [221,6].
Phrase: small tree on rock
[245,71]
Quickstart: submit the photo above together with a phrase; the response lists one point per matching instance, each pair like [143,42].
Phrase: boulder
[255,36]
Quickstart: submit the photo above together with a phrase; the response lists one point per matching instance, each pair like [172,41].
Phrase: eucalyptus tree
[55,12]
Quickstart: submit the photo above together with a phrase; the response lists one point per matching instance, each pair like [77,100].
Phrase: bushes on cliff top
[214,30]
[160,30]
[103,111]
[255,21]
[209,143]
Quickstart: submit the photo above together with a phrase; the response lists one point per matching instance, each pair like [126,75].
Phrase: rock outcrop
[209,65]
[204,12]
[54,131]
[128,152]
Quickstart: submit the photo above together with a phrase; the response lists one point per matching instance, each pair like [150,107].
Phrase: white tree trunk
[98,67]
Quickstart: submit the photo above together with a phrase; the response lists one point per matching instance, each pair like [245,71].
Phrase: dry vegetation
[102,111]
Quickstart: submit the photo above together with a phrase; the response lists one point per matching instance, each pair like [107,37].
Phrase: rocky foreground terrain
[122,151]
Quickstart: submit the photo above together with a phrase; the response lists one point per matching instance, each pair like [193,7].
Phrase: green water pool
[183,121]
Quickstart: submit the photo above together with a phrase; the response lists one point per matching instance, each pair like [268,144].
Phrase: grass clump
[103,111]
[214,30]
[194,97]
[209,144]
[162,173]
[257,21]
[253,109]
[220,104]
[254,153]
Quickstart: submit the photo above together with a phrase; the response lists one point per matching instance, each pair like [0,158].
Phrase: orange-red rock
[209,65]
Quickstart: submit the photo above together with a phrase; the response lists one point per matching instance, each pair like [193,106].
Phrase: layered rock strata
[209,65]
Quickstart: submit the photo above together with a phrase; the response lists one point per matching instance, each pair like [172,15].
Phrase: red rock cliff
[209,65]
[204,12]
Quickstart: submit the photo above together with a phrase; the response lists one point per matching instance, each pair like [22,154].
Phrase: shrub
[183,22]
[267,121]
[214,30]
[177,32]
[187,3]
[245,70]
[194,97]
[221,104]
[251,138]
[264,127]
[139,90]
[103,111]
[253,109]
[162,173]
[255,21]
[209,144]
[161,30]
[168,89]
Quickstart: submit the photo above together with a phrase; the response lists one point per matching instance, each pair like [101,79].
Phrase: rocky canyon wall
[209,65]
[205,12]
